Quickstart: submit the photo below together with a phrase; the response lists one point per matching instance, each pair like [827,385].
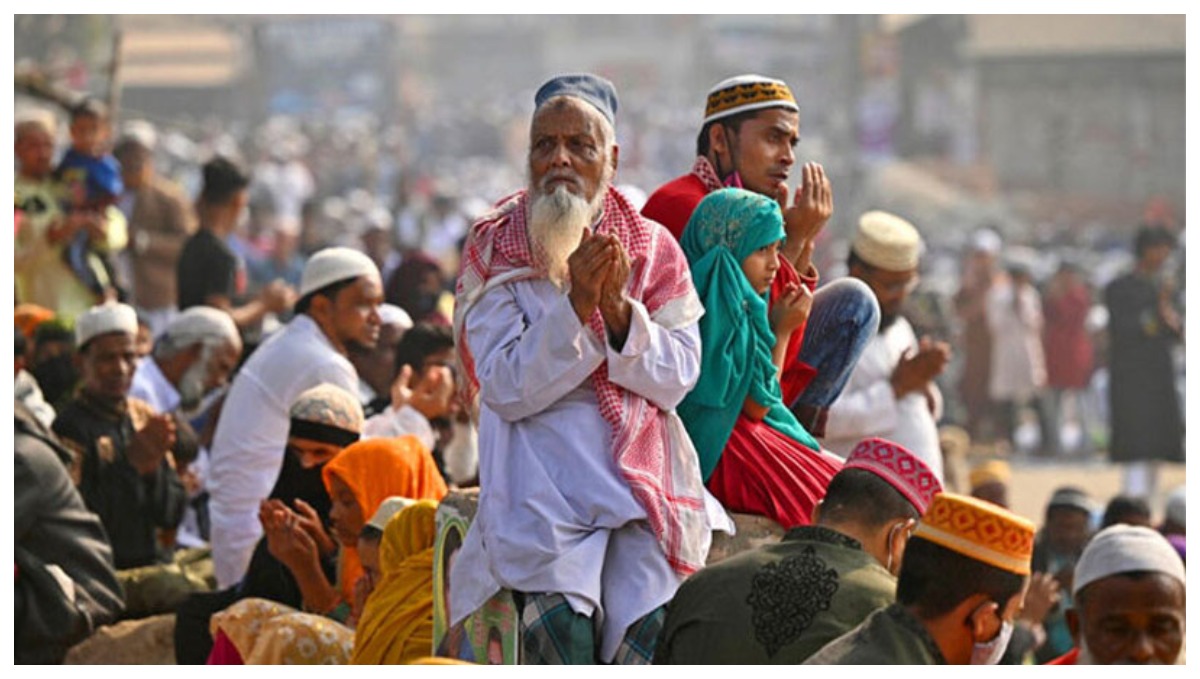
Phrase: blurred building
[1083,112]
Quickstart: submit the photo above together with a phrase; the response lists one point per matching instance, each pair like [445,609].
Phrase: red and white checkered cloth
[497,251]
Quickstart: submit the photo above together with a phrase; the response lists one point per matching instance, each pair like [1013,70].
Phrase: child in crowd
[91,179]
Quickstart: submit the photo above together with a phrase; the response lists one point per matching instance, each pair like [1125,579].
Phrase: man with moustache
[340,294]
[1129,590]
[124,451]
[193,358]
[748,139]
[891,392]
[576,326]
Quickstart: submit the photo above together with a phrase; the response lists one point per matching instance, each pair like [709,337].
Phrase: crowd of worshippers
[618,382]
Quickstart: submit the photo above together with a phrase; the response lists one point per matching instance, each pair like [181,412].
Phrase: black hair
[935,579]
[1151,236]
[89,107]
[421,341]
[1123,506]
[223,179]
[20,343]
[329,291]
[53,330]
[860,496]
[852,260]
[733,122]
[370,533]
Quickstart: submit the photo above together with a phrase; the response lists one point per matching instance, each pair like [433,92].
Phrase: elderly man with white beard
[192,359]
[576,327]
[194,356]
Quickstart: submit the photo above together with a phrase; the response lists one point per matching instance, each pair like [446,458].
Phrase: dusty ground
[1034,481]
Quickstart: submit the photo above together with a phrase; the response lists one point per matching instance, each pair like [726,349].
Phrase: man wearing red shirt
[748,138]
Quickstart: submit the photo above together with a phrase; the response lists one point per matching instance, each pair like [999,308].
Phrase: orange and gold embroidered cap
[747,93]
[979,530]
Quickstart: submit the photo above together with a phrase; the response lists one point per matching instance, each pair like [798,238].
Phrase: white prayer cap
[985,240]
[1177,506]
[103,319]
[887,242]
[142,132]
[202,324]
[390,314]
[38,116]
[387,509]
[335,264]
[1122,549]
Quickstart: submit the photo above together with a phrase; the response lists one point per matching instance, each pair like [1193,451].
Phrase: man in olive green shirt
[781,603]
[962,583]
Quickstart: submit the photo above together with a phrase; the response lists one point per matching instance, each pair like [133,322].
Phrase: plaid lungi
[554,634]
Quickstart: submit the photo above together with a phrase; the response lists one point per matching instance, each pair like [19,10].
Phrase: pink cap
[892,462]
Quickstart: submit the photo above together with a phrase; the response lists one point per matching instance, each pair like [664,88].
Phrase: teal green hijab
[735,334]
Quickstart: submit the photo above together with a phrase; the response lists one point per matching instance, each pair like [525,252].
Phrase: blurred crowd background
[1058,135]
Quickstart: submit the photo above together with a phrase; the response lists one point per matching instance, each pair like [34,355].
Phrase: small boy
[91,178]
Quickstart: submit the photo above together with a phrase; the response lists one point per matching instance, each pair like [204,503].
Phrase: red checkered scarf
[497,251]
[707,175]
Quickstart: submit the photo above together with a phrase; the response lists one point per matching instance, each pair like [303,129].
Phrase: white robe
[1018,359]
[868,407]
[248,447]
[554,513]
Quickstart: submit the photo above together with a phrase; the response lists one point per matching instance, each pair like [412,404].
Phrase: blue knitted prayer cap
[593,89]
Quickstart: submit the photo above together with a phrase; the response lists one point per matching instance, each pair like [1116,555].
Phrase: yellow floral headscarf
[269,633]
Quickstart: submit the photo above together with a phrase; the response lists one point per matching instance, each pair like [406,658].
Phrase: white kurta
[248,448]
[150,385]
[396,422]
[554,513]
[868,406]
[1018,359]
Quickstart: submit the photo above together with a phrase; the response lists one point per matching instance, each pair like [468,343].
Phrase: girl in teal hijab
[736,410]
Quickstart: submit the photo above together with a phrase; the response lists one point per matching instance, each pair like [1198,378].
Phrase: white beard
[557,221]
[191,384]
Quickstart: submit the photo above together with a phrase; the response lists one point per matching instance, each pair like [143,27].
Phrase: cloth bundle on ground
[261,632]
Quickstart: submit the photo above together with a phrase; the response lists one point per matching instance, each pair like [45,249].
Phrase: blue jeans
[844,318]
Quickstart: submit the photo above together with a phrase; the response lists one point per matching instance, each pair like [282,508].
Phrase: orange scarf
[376,469]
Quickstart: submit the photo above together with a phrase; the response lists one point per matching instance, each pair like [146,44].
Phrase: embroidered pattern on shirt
[786,596]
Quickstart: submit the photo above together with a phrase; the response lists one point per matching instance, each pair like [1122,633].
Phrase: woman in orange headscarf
[358,479]
[397,624]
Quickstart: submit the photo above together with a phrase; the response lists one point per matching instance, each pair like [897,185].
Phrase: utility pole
[114,78]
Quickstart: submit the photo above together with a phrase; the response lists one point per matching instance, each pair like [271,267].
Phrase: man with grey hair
[576,325]
[1129,591]
[193,357]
